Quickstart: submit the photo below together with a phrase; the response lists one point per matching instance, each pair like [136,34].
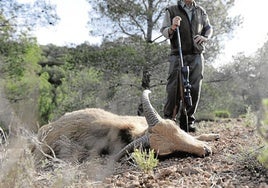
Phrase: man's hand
[175,22]
[199,39]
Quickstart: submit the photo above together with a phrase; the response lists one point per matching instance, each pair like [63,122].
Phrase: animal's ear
[163,136]
[160,144]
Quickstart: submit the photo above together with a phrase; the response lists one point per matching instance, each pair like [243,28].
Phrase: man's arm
[208,33]
[207,30]
[168,28]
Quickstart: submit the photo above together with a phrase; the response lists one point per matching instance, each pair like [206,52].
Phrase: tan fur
[88,131]
[166,137]
[83,134]
[208,137]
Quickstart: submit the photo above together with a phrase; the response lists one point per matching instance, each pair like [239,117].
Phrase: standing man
[195,30]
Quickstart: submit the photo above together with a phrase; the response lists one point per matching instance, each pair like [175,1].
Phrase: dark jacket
[188,29]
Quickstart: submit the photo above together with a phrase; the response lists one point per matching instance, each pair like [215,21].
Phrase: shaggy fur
[89,133]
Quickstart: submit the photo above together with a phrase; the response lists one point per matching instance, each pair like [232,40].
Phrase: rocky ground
[233,163]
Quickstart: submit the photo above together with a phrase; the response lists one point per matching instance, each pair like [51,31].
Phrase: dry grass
[19,168]
[232,163]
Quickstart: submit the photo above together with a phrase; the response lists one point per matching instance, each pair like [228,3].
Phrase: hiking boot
[191,128]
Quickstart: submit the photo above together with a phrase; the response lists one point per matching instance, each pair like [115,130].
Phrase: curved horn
[152,117]
[142,141]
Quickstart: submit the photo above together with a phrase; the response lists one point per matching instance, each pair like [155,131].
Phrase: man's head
[188,2]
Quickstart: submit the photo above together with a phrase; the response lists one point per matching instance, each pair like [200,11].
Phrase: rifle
[183,98]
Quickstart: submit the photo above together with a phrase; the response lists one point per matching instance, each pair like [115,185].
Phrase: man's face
[188,2]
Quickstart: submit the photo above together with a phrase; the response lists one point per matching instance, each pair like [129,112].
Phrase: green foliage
[111,57]
[132,18]
[263,130]
[56,74]
[247,159]
[109,75]
[6,30]
[263,157]
[247,78]
[45,101]
[205,116]
[23,84]
[224,89]
[265,105]
[18,18]
[79,90]
[146,161]
[222,114]
[223,25]
[13,59]
[138,19]
[21,67]
[210,92]
[249,117]
[122,63]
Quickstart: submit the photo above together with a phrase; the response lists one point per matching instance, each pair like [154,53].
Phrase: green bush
[222,114]
[146,161]
[45,101]
[263,157]
[249,117]
[205,116]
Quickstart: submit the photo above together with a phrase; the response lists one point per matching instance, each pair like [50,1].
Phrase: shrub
[222,113]
[146,161]
[263,130]
[205,116]
[249,117]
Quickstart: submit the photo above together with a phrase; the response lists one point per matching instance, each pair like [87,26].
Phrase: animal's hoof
[207,151]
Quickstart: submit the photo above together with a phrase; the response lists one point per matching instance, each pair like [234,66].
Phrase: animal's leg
[208,137]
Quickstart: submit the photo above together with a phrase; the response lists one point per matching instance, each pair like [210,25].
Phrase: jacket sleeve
[166,25]
[207,28]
